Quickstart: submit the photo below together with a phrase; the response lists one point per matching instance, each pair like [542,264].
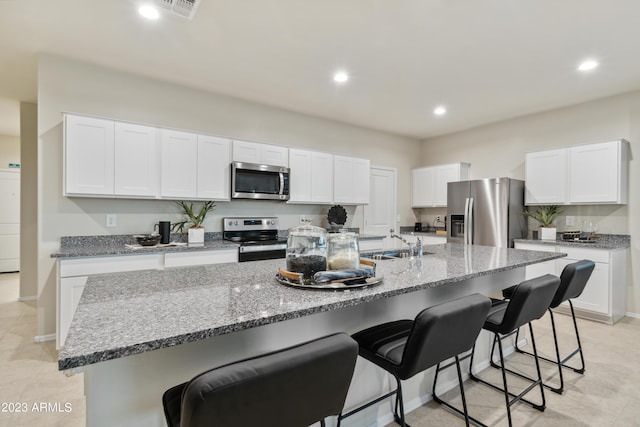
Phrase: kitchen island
[139,333]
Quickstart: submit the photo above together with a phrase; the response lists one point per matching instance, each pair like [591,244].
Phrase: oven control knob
[230,223]
[235,222]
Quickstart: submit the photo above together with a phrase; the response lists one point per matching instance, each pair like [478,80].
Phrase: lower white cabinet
[74,272]
[604,297]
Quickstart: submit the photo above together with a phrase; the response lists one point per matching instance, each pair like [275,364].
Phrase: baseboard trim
[32,298]
[44,338]
[634,315]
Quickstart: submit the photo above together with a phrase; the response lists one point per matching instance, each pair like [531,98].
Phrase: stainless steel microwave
[255,181]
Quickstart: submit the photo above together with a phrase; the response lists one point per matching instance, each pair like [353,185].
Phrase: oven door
[256,252]
[254,181]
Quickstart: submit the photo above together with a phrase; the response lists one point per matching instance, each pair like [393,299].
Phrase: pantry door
[380,213]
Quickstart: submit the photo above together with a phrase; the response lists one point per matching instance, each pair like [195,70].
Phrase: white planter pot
[547,233]
[196,237]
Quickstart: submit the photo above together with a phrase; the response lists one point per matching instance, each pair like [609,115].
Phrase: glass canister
[343,252]
[307,250]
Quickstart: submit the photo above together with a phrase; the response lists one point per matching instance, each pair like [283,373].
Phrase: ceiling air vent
[185,8]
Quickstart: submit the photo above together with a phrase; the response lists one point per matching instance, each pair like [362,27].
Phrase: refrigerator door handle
[466,221]
[470,216]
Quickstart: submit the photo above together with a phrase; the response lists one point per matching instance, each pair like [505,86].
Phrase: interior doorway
[380,213]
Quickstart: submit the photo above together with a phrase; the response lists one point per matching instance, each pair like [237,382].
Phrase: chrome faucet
[414,248]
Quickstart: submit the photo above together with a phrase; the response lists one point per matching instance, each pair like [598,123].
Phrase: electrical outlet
[304,219]
[571,220]
[112,220]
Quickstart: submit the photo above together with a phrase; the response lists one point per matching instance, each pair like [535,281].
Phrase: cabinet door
[596,294]
[300,163]
[89,155]
[179,164]
[422,184]
[444,175]
[136,160]
[351,180]
[546,177]
[245,151]
[274,155]
[540,269]
[71,289]
[322,177]
[594,173]
[214,170]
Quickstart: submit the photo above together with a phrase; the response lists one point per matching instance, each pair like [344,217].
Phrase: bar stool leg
[399,402]
[507,400]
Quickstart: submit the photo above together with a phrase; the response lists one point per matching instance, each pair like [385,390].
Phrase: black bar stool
[529,301]
[294,387]
[573,280]
[406,347]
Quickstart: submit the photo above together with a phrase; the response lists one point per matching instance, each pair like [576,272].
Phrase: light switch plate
[112,220]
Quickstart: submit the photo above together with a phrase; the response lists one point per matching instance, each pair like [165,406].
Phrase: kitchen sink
[389,254]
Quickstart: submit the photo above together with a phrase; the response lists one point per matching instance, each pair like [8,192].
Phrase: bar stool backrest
[573,279]
[294,387]
[443,331]
[529,301]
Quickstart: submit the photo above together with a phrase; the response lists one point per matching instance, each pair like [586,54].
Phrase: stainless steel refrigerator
[486,212]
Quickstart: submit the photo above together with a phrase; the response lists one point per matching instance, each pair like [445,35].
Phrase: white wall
[69,86]
[9,150]
[498,150]
[28,200]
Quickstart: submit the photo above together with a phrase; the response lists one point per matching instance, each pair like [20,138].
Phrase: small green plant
[193,219]
[545,215]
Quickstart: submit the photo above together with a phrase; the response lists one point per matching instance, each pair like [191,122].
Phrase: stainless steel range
[258,238]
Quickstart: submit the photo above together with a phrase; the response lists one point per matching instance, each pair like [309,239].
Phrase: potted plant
[193,221]
[545,215]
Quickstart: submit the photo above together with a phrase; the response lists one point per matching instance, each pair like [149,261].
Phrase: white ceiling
[485,60]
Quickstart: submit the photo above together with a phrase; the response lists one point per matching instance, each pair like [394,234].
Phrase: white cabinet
[88,156]
[604,297]
[598,173]
[179,164]
[135,160]
[581,175]
[311,176]
[429,184]
[546,177]
[350,180]
[255,152]
[214,168]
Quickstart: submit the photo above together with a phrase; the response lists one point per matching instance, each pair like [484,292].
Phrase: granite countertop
[118,312]
[606,241]
[92,246]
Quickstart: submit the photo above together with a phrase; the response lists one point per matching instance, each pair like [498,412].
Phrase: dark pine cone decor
[337,215]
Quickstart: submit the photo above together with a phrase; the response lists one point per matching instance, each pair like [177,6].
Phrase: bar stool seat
[529,301]
[405,348]
[293,387]
[573,279]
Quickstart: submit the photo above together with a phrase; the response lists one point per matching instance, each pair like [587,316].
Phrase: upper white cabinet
[88,155]
[429,184]
[311,176]
[136,160]
[583,174]
[598,173]
[546,177]
[108,158]
[254,152]
[179,164]
[350,180]
[214,168]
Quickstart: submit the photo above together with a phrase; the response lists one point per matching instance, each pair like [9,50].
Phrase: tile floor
[607,395]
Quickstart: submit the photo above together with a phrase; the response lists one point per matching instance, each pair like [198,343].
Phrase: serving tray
[295,280]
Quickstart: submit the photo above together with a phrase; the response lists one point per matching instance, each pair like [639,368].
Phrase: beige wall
[68,86]
[9,150]
[499,149]
[28,200]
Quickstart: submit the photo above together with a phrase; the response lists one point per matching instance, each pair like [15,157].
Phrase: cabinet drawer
[110,264]
[200,258]
[535,247]
[595,255]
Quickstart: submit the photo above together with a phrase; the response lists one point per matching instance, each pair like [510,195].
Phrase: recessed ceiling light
[149,12]
[340,77]
[588,65]
[439,111]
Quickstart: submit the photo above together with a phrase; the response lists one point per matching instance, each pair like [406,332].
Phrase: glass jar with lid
[343,252]
[307,250]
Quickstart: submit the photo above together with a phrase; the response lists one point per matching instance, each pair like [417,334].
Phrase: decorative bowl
[148,239]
